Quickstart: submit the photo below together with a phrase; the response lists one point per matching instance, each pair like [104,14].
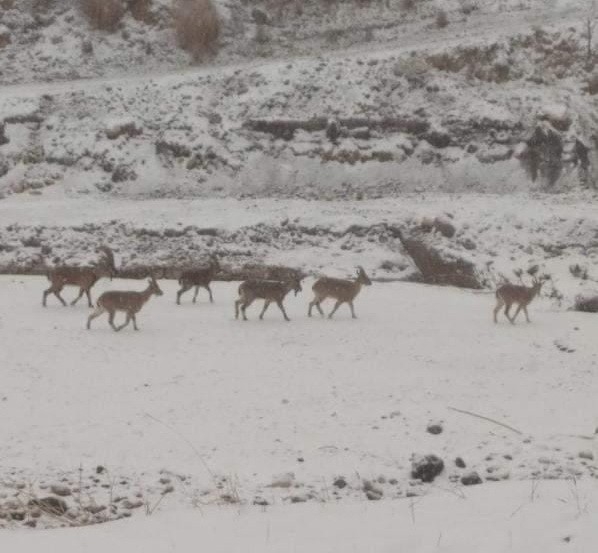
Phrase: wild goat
[268,290]
[508,294]
[129,302]
[83,277]
[200,278]
[343,291]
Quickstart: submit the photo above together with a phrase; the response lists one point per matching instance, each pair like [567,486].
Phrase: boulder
[438,266]
[427,467]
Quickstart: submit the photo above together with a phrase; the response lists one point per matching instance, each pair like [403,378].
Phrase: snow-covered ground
[497,233]
[522,517]
[197,409]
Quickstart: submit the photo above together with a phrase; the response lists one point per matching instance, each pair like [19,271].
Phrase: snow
[203,431]
[498,233]
[495,518]
[199,394]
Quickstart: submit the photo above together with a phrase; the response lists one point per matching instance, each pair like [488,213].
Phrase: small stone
[95,509]
[100,469]
[586,454]
[128,504]
[340,482]
[60,490]
[372,492]
[471,479]
[373,496]
[167,489]
[459,462]
[427,467]
[434,428]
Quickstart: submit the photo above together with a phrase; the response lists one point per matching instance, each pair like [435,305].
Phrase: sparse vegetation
[103,14]
[441,19]
[197,26]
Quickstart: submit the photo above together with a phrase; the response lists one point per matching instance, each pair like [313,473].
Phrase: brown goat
[342,290]
[508,294]
[268,290]
[200,278]
[130,302]
[83,277]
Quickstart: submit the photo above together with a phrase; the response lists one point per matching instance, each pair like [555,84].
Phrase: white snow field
[553,517]
[197,411]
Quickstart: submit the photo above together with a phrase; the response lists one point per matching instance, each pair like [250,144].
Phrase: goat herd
[129,302]
[342,290]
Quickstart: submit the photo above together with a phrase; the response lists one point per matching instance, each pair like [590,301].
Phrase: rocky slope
[481,111]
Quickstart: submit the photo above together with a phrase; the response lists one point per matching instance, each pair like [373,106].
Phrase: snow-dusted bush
[103,14]
[197,26]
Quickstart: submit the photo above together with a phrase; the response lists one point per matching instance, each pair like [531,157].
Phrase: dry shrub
[141,10]
[197,26]
[103,14]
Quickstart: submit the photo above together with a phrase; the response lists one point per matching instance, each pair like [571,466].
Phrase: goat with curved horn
[83,277]
[128,301]
[268,290]
[342,290]
[200,278]
[509,294]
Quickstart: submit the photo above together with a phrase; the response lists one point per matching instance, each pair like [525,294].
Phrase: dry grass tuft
[197,26]
[103,14]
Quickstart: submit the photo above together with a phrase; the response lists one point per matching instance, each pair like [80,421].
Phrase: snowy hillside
[493,102]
